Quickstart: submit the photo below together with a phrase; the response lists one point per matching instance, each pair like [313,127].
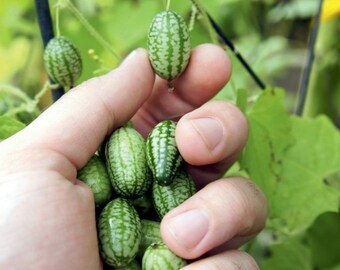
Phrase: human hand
[47,215]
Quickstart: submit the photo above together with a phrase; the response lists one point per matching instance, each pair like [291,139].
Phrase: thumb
[77,123]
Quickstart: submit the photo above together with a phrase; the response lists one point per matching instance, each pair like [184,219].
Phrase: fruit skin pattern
[62,61]
[162,154]
[169,44]
[151,233]
[126,163]
[95,175]
[119,232]
[159,257]
[166,198]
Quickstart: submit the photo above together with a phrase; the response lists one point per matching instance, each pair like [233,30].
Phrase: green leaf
[241,100]
[323,238]
[289,255]
[301,195]
[9,126]
[269,137]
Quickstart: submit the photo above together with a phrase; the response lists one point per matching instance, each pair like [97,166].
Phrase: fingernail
[210,130]
[189,228]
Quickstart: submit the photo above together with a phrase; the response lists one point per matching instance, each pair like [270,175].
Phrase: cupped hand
[47,218]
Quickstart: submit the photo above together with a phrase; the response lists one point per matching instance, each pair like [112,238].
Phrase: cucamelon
[166,198]
[119,232]
[159,257]
[126,163]
[62,61]
[150,234]
[169,44]
[94,174]
[162,154]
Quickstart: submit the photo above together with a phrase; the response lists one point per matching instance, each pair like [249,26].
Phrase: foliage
[295,160]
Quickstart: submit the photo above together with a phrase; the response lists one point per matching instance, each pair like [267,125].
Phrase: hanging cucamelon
[169,44]
[62,61]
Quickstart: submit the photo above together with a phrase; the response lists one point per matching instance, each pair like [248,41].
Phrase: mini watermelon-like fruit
[95,175]
[169,44]
[62,61]
[119,233]
[159,257]
[162,154]
[126,163]
[166,198]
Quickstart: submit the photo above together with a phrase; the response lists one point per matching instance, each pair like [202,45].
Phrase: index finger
[207,73]
[76,124]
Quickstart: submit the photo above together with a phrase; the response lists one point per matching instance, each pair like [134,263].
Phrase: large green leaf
[289,255]
[270,135]
[301,195]
[289,157]
[323,238]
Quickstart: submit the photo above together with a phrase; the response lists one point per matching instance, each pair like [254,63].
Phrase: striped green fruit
[95,175]
[162,154]
[150,234]
[126,163]
[169,44]
[159,257]
[62,61]
[166,198]
[119,232]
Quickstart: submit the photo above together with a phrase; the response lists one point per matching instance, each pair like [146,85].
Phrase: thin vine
[213,26]
[92,30]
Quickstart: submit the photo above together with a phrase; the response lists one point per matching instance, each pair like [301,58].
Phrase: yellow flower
[330,10]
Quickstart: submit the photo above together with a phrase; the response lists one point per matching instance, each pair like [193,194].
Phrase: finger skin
[214,135]
[77,123]
[207,73]
[228,260]
[220,212]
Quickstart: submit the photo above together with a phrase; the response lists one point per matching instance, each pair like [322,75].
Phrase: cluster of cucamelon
[135,182]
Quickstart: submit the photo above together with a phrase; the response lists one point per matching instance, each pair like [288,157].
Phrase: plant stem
[311,55]
[324,83]
[205,16]
[92,31]
[46,31]
[168,4]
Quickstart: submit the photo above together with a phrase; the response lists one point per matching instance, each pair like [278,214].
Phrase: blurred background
[273,36]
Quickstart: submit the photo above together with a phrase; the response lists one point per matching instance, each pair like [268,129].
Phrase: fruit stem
[57,27]
[168,4]
[91,30]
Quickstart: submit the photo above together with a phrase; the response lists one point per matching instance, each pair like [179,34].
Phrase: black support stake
[47,33]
